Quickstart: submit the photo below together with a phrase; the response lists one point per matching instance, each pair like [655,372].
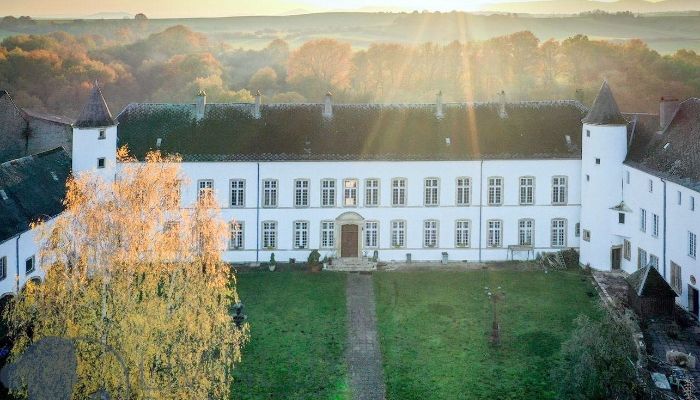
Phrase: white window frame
[398,233]
[692,245]
[526,232]
[651,186]
[350,189]
[463,233]
[431,232]
[399,188]
[237,193]
[301,234]
[301,192]
[558,232]
[495,191]
[372,192]
[3,267]
[642,258]
[527,190]
[327,234]
[627,249]
[270,188]
[32,258]
[431,192]
[655,225]
[692,203]
[205,187]
[463,192]
[269,234]
[372,234]
[494,233]
[328,193]
[654,261]
[560,190]
[586,235]
[676,278]
[101,162]
[642,220]
[102,134]
[236,235]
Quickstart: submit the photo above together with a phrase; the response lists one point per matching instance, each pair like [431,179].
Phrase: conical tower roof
[95,113]
[604,110]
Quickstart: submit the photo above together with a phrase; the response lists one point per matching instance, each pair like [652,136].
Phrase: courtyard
[434,328]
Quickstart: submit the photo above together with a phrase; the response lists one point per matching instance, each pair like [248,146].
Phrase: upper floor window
[371,192]
[432,192]
[680,198]
[692,203]
[327,234]
[301,193]
[627,249]
[558,232]
[205,189]
[655,225]
[328,193]
[3,267]
[236,235]
[464,191]
[495,233]
[621,218]
[270,187]
[371,234]
[269,234]
[627,176]
[237,193]
[641,258]
[398,192]
[495,191]
[692,244]
[350,193]
[430,233]
[577,229]
[527,190]
[586,235]
[101,162]
[651,186]
[398,233]
[102,134]
[643,220]
[654,261]
[559,189]
[676,278]
[526,232]
[29,265]
[462,233]
[588,133]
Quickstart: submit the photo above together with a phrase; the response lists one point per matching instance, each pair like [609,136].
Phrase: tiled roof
[95,112]
[32,188]
[531,130]
[604,110]
[648,281]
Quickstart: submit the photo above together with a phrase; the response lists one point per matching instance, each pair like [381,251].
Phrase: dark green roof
[648,282]
[531,130]
[95,112]
[604,110]
[33,188]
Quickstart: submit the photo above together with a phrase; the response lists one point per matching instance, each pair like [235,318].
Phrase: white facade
[95,150]
[17,254]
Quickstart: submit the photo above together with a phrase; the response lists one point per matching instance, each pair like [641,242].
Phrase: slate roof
[59,119]
[95,112]
[648,282]
[673,154]
[604,110]
[34,186]
[229,132]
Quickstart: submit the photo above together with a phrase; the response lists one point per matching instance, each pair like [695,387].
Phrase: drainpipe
[17,263]
[481,202]
[664,228]
[257,218]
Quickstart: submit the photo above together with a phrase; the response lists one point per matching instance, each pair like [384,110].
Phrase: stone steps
[352,265]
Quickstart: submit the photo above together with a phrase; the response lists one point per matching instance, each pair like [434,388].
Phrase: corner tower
[604,149]
[95,138]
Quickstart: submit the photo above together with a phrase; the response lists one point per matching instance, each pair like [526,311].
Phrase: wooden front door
[348,241]
[616,258]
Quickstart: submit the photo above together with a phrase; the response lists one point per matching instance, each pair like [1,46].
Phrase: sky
[222,8]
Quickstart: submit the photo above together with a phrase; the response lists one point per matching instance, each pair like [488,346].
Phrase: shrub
[314,257]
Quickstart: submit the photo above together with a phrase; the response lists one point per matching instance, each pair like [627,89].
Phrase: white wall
[87,148]
[27,248]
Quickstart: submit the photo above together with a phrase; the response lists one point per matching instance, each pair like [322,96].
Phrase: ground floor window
[526,232]
[692,244]
[641,258]
[627,249]
[430,233]
[495,232]
[398,233]
[676,278]
[371,234]
[269,234]
[301,234]
[236,236]
[3,268]
[327,234]
[462,233]
[654,261]
[29,264]
[559,232]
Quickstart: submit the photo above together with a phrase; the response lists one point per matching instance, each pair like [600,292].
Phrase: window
[398,192]
[29,265]
[237,193]
[680,198]
[627,250]
[328,193]
[301,193]
[558,232]
[577,229]
[526,232]
[371,192]
[462,233]
[641,258]
[371,234]
[586,235]
[327,234]
[432,192]
[643,220]
[269,234]
[527,190]
[269,192]
[692,203]
[430,233]
[301,234]
[464,192]
[597,161]
[559,190]
[588,178]
[495,191]
[495,232]
[654,225]
[651,186]
[588,133]
[3,268]
[236,236]
[398,233]
[350,196]
[692,244]
[102,135]
[621,218]
[654,261]
[676,278]
[101,162]
[205,189]
[627,176]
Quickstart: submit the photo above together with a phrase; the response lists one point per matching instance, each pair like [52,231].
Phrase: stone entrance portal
[348,240]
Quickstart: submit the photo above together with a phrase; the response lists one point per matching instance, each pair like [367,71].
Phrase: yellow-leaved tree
[137,282]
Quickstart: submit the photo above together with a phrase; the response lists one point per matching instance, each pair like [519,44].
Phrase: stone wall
[46,135]
[13,129]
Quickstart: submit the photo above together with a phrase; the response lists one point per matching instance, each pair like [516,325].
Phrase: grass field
[297,327]
[434,331]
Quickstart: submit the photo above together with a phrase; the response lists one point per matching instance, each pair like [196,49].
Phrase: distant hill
[578,6]
[110,15]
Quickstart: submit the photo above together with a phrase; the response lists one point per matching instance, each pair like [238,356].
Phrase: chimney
[328,106]
[438,105]
[667,109]
[502,105]
[256,110]
[200,104]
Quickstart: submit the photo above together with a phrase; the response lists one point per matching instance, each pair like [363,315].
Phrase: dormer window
[102,135]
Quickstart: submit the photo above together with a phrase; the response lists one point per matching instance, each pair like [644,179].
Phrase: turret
[604,149]
[95,138]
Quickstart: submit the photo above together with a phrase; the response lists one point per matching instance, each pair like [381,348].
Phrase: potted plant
[325,262]
[273,264]
[314,261]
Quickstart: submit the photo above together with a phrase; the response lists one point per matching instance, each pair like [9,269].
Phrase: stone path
[363,356]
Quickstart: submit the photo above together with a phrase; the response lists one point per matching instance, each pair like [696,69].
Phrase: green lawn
[434,331]
[297,328]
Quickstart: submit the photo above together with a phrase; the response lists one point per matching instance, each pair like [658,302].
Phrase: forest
[52,72]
